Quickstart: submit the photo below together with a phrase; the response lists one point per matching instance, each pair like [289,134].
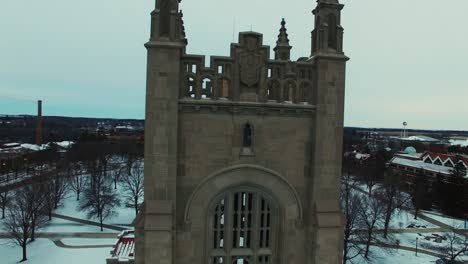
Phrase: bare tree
[77,181]
[421,196]
[133,186]
[22,218]
[456,246]
[366,171]
[392,196]
[116,174]
[100,200]
[53,191]
[4,202]
[371,214]
[37,207]
[350,204]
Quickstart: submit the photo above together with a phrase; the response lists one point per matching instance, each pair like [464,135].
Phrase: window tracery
[242,229]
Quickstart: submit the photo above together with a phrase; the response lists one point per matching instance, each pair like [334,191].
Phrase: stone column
[326,220]
[155,225]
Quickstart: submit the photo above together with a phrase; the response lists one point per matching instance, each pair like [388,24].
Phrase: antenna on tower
[233,29]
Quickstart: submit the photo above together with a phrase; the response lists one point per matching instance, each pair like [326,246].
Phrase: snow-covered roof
[419,164]
[412,156]
[410,150]
[461,142]
[420,138]
[362,156]
[444,158]
[11,144]
[65,144]
[125,247]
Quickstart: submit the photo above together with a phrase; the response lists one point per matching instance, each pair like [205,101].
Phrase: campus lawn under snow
[453,222]
[88,241]
[393,256]
[57,225]
[44,251]
[124,216]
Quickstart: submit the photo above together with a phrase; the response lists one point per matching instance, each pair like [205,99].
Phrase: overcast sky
[409,59]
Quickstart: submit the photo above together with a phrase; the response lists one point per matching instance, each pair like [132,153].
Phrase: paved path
[60,244]
[88,222]
[60,235]
[412,249]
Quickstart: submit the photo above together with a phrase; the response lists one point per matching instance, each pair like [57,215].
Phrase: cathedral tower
[242,158]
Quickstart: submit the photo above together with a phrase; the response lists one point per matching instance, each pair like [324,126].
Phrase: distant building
[434,165]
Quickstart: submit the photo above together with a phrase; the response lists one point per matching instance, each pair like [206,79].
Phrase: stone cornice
[236,107]
[329,56]
[164,44]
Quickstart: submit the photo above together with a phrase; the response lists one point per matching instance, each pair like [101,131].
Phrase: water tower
[404,133]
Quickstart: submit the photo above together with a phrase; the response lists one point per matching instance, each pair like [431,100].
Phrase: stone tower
[243,158]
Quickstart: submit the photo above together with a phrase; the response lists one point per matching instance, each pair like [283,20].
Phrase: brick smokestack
[39,123]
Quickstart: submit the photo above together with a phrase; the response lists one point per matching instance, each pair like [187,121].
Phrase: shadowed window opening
[247,142]
[332,43]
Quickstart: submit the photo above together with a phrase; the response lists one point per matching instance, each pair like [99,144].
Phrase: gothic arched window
[207,88]
[223,87]
[191,87]
[273,91]
[242,228]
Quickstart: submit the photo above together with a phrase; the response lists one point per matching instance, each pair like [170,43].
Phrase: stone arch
[259,177]
[289,91]
[304,92]
[223,84]
[274,89]
[206,86]
[190,86]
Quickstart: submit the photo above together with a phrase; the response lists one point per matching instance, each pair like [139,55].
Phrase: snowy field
[394,256]
[453,222]
[57,225]
[124,216]
[401,218]
[88,241]
[44,251]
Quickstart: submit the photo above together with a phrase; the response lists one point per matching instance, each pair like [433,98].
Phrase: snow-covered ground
[44,251]
[88,241]
[392,256]
[124,216]
[401,218]
[57,225]
[453,222]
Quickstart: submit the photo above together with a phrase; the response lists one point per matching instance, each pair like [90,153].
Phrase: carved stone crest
[250,62]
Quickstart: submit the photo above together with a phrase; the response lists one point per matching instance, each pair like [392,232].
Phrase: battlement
[248,74]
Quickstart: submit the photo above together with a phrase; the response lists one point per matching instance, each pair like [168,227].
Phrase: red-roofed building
[434,165]
[447,160]
[124,249]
